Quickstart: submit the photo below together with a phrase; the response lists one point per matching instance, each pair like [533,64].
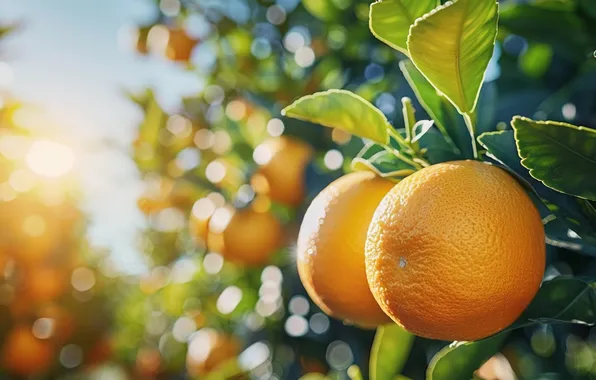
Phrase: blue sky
[67,59]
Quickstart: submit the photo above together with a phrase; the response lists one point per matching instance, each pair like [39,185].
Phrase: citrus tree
[456,250]
[221,182]
[439,235]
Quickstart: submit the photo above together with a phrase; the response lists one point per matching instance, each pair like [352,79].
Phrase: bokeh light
[50,159]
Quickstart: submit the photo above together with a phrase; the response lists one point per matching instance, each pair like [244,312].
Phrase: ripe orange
[180,45]
[208,350]
[64,321]
[44,284]
[148,363]
[30,229]
[101,352]
[283,163]
[331,248]
[250,237]
[24,354]
[455,251]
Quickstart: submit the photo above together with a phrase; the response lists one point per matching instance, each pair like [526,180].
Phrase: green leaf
[560,155]
[560,28]
[577,214]
[536,60]
[322,9]
[460,360]
[314,376]
[436,149]
[390,20]
[390,352]
[561,300]
[354,373]
[343,110]
[377,159]
[421,128]
[446,117]
[589,6]
[559,235]
[452,47]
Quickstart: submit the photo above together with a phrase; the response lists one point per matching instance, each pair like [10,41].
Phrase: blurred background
[151,192]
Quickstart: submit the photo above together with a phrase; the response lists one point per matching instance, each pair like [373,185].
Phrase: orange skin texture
[456,251]
[331,248]
[217,348]
[285,170]
[24,354]
[251,237]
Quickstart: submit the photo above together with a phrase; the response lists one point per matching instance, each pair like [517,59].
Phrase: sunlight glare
[50,159]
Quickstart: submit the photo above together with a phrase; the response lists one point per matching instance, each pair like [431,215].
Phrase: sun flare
[50,159]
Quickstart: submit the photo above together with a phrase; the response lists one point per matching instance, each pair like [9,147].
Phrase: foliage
[476,80]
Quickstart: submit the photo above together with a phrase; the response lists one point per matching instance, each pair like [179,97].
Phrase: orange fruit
[148,363]
[30,229]
[24,354]
[209,349]
[64,321]
[20,306]
[180,45]
[456,251]
[331,248]
[250,238]
[283,163]
[101,352]
[45,284]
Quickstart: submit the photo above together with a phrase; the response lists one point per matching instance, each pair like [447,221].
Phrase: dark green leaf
[343,110]
[560,28]
[377,159]
[452,47]
[322,9]
[561,300]
[577,214]
[390,351]
[390,20]
[460,360]
[589,6]
[560,155]
[536,60]
[559,235]
[436,149]
[564,300]
[487,108]
[421,128]
[446,117]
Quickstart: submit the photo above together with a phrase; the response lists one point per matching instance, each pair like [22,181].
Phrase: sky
[69,59]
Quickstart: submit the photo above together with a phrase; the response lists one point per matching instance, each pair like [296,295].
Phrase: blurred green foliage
[257,57]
